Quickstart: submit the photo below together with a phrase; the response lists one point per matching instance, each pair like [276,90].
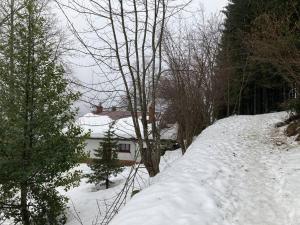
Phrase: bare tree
[189,85]
[129,38]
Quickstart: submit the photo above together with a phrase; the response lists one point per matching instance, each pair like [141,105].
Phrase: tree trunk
[228,97]
[152,169]
[24,209]
[254,103]
[11,38]
[265,101]
[107,183]
[150,162]
[182,144]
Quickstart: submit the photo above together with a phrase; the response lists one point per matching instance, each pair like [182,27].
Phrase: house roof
[115,115]
[98,124]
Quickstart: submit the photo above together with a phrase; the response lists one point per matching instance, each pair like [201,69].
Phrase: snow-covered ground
[89,204]
[239,171]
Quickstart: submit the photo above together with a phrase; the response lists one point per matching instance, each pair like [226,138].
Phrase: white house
[97,123]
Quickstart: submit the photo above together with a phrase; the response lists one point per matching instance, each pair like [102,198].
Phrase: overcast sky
[80,65]
[213,5]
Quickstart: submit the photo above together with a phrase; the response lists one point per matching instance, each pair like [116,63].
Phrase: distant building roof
[98,124]
[115,115]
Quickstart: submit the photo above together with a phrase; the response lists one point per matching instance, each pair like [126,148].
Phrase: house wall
[92,144]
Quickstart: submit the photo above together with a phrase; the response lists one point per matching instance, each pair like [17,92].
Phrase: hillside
[239,171]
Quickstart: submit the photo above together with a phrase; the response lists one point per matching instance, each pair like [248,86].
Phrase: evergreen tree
[251,87]
[275,38]
[106,163]
[39,141]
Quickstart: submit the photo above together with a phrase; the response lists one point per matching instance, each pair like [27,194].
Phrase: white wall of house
[92,144]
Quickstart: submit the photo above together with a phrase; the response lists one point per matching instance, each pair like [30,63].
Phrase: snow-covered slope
[88,204]
[239,171]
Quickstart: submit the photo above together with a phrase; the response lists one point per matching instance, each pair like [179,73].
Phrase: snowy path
[257,193]
[237,172]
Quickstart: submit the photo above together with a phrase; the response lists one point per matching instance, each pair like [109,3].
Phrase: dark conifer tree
[274,39]
[39,141]
[251,87]
[106,162]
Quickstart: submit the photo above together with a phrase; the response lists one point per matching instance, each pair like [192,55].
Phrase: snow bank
[239,171]
[232,174]
[88,204]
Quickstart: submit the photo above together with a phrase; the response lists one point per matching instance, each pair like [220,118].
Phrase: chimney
[98,109]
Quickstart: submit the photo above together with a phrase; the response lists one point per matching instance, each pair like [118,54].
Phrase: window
[124,147]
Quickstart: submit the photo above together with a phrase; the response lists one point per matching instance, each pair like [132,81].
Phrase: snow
[86,201]
[239,171]
[169,133]
[97,125]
